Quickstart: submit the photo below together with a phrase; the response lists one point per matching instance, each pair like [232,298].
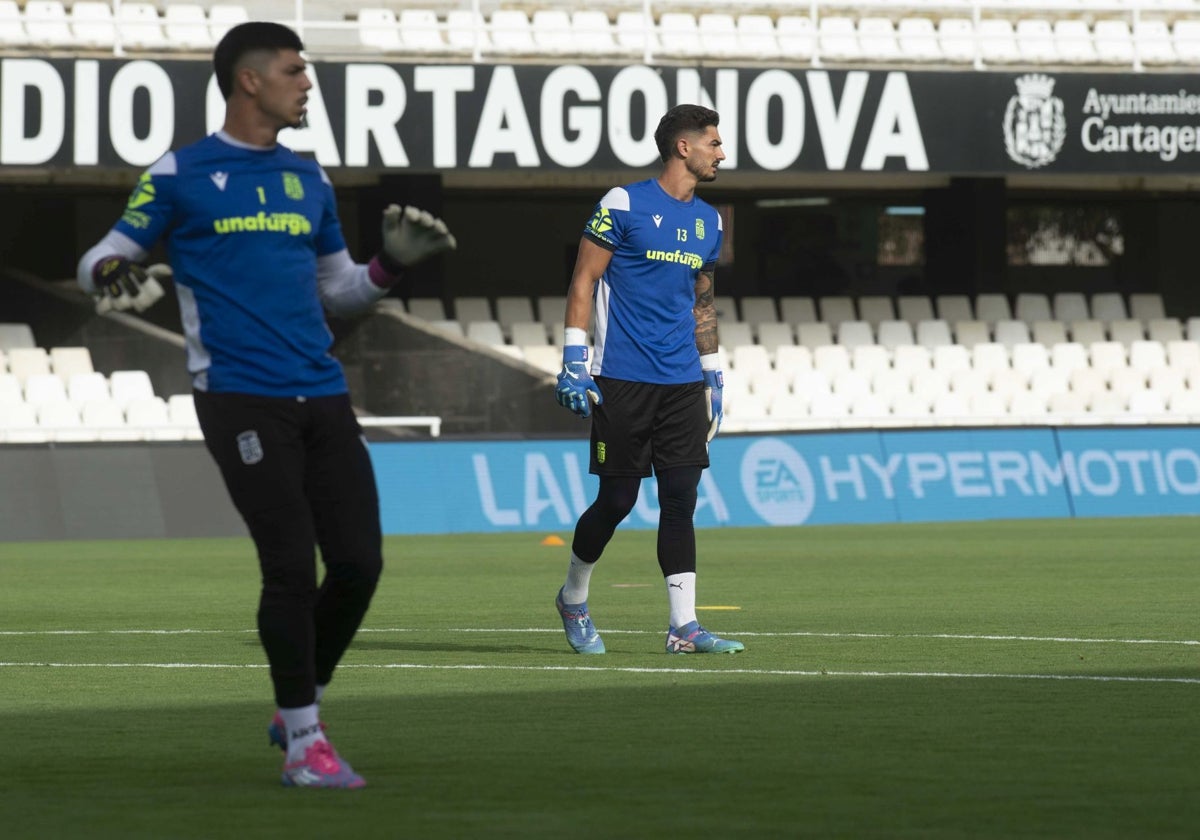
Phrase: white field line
[511,630]
[768,672]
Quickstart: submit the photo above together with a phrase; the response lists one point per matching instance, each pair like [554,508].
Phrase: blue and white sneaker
[692,638]
[581,633]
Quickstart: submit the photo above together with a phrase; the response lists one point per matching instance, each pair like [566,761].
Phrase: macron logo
[219,178]
[657,219]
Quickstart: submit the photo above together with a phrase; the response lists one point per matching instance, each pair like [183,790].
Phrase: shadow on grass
[499,754]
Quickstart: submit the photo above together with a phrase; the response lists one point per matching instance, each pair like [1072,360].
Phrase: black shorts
[639,424]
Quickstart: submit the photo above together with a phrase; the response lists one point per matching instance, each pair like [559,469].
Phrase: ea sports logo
[777,483]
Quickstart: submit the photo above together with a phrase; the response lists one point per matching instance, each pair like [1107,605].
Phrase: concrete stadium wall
[113,491]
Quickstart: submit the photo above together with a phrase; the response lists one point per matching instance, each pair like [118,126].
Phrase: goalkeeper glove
[411,235]
[122,284]
[714,386]
[576,389]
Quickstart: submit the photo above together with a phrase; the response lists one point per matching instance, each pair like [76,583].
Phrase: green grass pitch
[1010,679]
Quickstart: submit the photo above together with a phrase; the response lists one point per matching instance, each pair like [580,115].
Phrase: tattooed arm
[705,310]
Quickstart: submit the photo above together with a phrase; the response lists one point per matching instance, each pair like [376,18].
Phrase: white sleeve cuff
[574,336]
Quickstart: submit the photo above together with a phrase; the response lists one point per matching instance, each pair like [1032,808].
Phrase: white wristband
[574,336]
[710,361]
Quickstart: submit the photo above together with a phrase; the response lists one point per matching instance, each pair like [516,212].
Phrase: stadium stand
[986,33]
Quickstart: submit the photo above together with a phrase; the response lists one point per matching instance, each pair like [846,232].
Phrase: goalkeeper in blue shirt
[258,258]
[653,385]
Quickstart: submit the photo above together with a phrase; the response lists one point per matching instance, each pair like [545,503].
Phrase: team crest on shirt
[699,228]
[292,187]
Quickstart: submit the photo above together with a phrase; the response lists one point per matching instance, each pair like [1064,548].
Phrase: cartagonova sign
[88,113]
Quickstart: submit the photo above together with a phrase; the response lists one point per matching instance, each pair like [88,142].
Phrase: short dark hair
[680,120]
[245,38]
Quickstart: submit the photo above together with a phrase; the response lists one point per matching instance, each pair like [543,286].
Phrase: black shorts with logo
[640,424]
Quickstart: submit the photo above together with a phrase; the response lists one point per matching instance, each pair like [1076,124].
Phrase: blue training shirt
[645,329]
[243,228]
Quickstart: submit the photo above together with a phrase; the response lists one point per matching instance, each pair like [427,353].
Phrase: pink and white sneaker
[321,767]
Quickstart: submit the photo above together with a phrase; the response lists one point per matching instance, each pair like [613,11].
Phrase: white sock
[303,730]
[681,596]
[579,575]
[320,692]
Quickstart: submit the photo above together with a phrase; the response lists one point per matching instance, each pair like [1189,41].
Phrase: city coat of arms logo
[1034,125]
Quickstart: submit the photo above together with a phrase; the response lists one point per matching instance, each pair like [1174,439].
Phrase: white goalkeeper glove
[411,235]
[714,387]
[122,284]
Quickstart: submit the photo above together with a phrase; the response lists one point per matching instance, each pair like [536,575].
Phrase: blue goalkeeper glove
[576,389]
[714,386]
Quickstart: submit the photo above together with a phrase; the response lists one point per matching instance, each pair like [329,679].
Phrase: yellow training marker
[553,539]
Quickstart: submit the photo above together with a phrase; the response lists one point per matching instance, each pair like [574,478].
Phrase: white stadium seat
[797,309]
[1031,307]
[893,334]
[1108,306]
[796,36]
[854,333]
[679,35]
[756,36]
[956,38]
[991,307]
[128,386]
[92,24]
[837,308]
[758,309]
[47,25]
[42,388]
[83,388]
[186,26]
[466,31]
[592,34]
[837,38]
[528,333]
[140,27]
[1073,42]
[814,335]
[734,333]
[1113,41]
[224,16]
[775,335]
[934,333]
[998,42]
[1035,41]
[635,33]
[68,361]
[511,33]
[1153,40]
[952,308]
[420,31]
[876,308]
[877,39]
[918,41]
[552,31]
[1070,306]
[24,362]
[12,30]
[718,36]
[1148,306]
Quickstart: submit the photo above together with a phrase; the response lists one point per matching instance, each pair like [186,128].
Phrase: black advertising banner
[112,114]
